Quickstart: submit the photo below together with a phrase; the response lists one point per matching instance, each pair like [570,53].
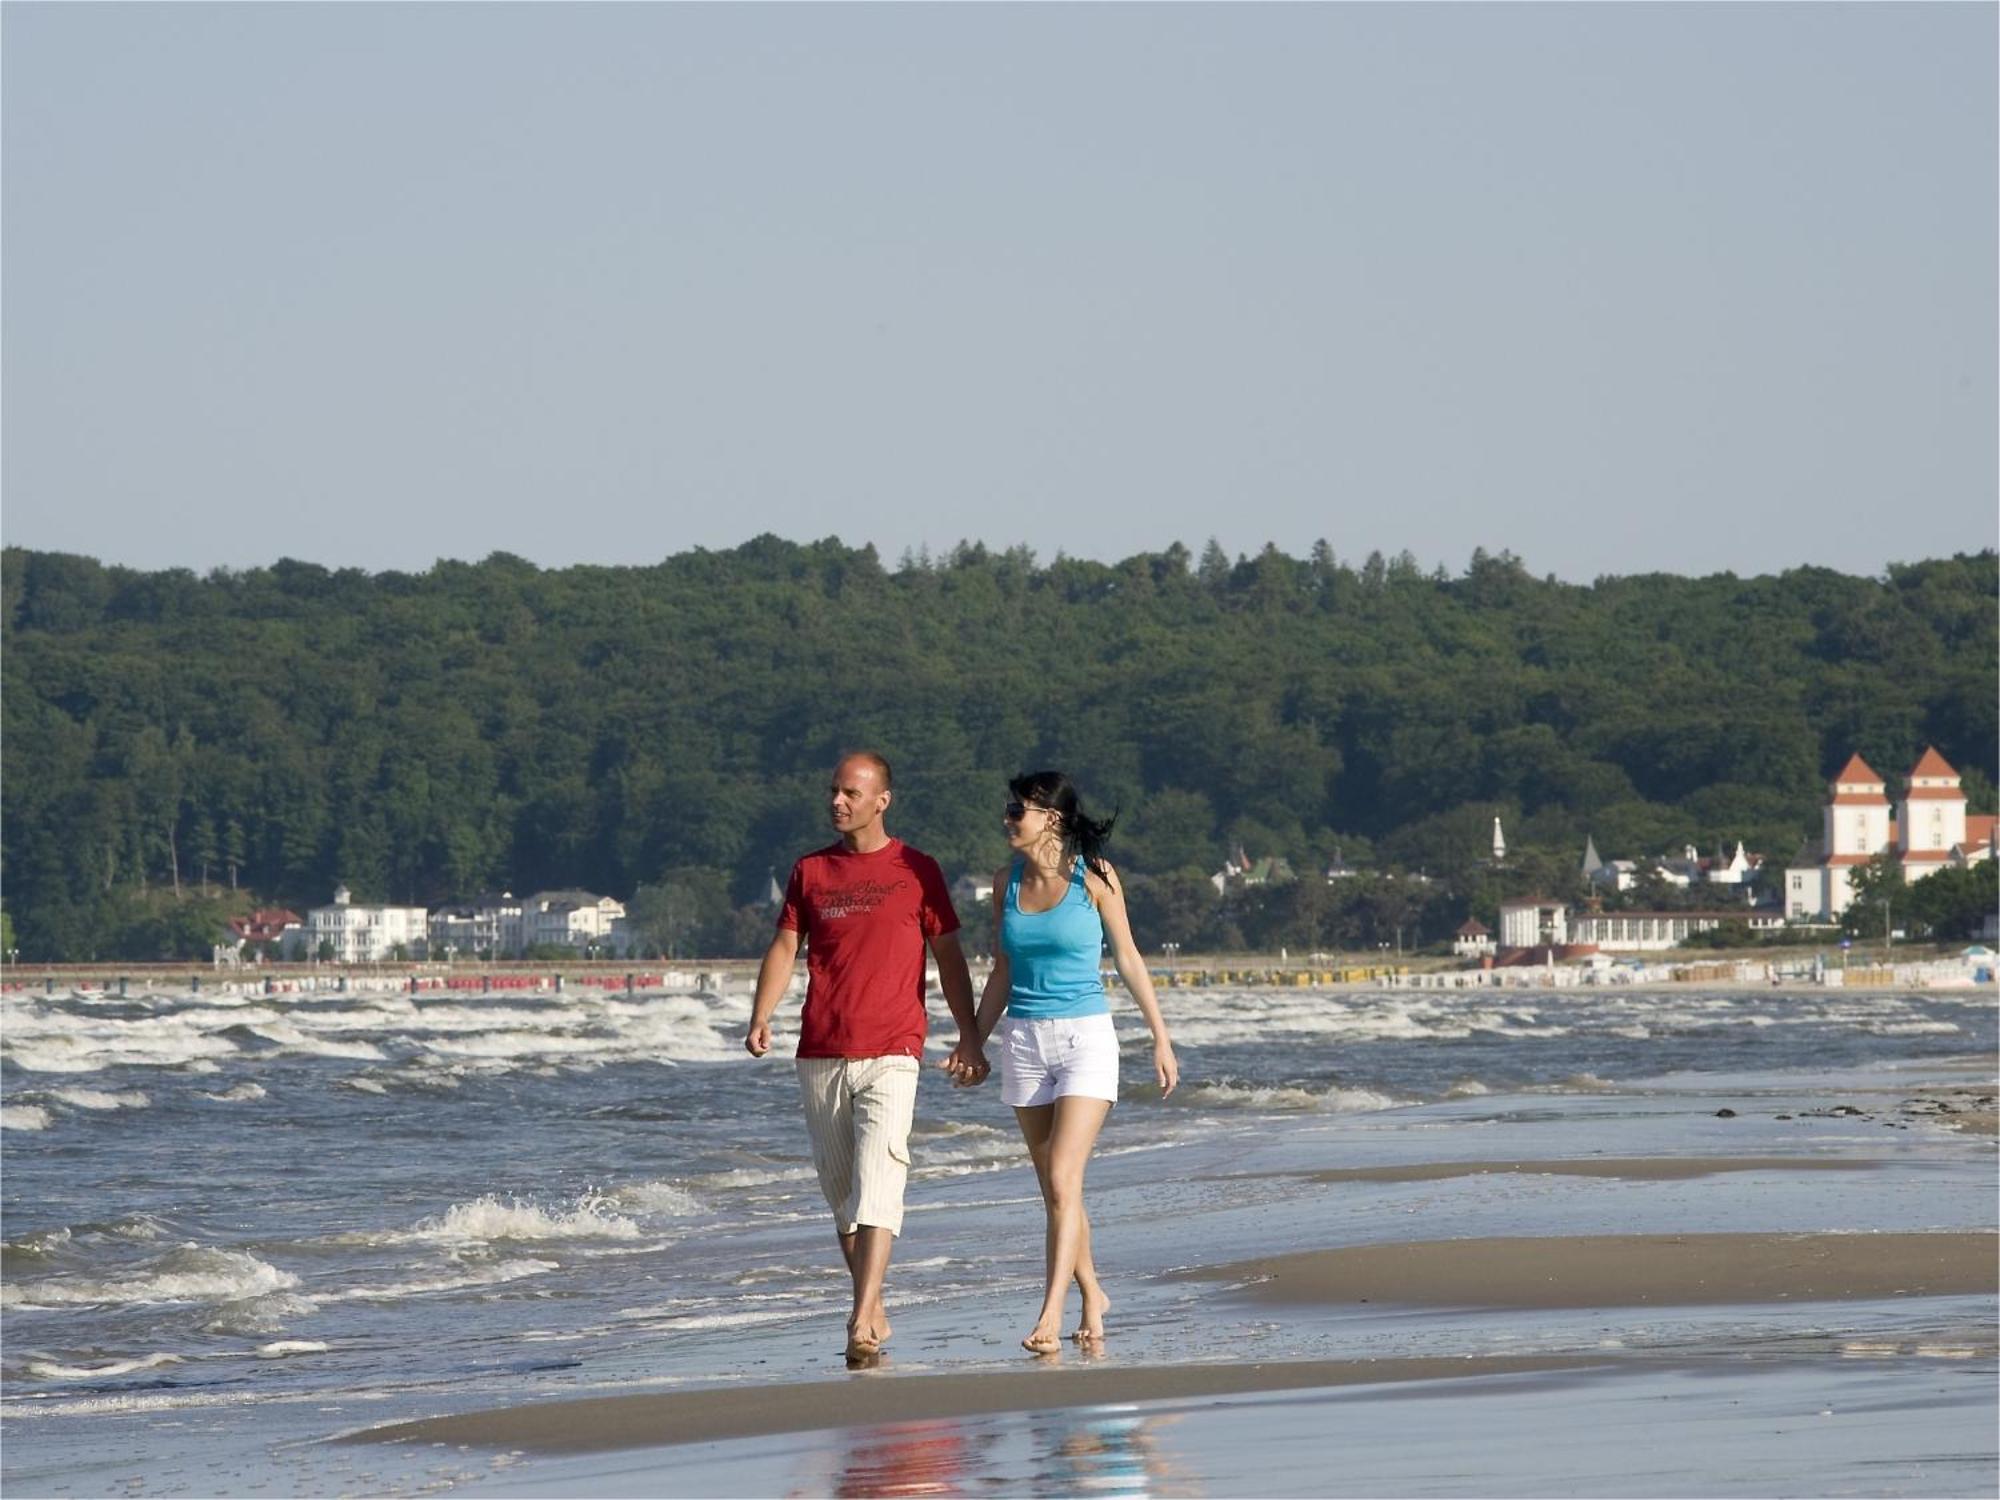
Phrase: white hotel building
[1926,832]
[365,934]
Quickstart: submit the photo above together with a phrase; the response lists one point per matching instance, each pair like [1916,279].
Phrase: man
[866,907]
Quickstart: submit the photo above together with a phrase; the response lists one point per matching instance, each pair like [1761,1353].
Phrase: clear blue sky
[1621,287]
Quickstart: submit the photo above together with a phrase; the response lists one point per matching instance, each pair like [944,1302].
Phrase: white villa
[365,934]
[489,924]
[1927,831]
[573,919]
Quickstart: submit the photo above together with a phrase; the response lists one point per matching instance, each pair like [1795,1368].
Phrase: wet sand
[606,1423]
[1567,1272]
[1633,1169]
[1628,1270]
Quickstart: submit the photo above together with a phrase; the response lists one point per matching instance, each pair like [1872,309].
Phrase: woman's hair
[1081,833]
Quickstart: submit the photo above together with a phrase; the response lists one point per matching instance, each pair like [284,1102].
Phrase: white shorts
[858,1112]
[1042,1061]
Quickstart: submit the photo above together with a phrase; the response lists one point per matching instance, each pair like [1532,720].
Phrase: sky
[1621,288]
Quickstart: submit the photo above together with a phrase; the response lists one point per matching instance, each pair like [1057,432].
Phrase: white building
[1928,831]
[572,919]
[488,925]
[351,934]
[1534,922]
[1641,931]
[1474,939]
[1736,870]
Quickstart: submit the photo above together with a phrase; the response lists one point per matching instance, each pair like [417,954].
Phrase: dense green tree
[424,735]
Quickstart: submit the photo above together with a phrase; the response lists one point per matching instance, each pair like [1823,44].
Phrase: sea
[238,1222]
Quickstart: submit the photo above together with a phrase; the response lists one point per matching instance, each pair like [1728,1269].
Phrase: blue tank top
[1052,955]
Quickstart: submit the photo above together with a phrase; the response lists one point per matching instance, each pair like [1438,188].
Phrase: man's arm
[774,977]
[967,1063]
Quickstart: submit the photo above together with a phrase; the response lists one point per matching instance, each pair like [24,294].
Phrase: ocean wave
[494,1274]
[284,1348]
[130,1046]
[99,1099]
[247,1317]
[24,1117]
[239,1094]
[292,1039]
[47,1369]
[1230,1095]
[745,1177]
[190,1274]
[488,1218]
[659,1199]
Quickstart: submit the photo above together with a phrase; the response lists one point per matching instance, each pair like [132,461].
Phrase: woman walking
[1056,906]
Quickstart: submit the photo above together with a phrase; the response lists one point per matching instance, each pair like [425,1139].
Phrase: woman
[1055,906]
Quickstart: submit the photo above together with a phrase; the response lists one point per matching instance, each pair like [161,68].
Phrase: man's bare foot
[867,1337]
[1042,1341]
[1092,1326]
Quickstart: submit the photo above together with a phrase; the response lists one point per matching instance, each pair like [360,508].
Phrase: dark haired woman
[1055,907]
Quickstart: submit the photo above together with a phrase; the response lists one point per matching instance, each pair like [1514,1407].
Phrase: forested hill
[491,725]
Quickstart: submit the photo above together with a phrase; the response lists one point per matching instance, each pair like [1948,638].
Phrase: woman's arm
[1110,898]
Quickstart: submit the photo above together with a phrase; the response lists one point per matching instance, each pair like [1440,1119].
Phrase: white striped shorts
[858,1112]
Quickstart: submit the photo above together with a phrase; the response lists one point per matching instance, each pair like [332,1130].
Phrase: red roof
[1930,763]
[1473,927]
[1858,769]
[1979,830]
[1858,799]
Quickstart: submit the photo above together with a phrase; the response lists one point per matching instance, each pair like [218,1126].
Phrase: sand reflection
[1098,1450]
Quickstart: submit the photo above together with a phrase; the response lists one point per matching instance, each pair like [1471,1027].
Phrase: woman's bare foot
[1042,1341]
[1092,1326]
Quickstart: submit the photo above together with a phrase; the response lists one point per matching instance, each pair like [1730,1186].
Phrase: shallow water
[268,1216]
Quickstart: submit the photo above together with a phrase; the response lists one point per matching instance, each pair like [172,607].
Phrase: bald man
[866,907]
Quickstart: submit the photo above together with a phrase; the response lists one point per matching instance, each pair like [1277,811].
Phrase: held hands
[1165,1067]
[757,1041]
[967,1064]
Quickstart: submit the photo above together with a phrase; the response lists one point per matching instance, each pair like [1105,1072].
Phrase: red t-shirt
[865,919]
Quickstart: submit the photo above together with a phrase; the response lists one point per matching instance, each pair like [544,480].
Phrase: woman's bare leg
[1060,1137]
[1036,1123]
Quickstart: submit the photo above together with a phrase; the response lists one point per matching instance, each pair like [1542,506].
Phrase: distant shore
[1242,967]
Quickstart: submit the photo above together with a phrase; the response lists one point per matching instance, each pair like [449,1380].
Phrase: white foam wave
[284,1347]
[99,1099]
[190,1274]
[487,1275]
[1246,1096]
[292,1039]
[743,1177]
[241,1093]
[249,1316]
[45,1369]
[24,1117]
[659,1199]
[488,1218]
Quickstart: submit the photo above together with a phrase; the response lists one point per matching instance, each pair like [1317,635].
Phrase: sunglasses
[1015,811]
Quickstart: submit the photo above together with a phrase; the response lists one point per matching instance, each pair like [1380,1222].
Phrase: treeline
[489,725]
